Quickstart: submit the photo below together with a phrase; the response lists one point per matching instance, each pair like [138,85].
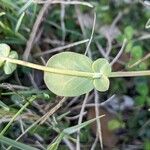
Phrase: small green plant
[68,73]
[115,124]
[143,91]
[5,52]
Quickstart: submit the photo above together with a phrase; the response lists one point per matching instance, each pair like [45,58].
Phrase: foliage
[69,85]
[8,67]
[60,26]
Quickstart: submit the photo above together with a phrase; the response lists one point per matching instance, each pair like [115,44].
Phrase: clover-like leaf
[65,84]
[4,52]
[10,67]
[69,85]
[101,84]
[102,65]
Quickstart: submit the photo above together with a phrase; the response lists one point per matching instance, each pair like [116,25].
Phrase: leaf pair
[75,85]
[5,52]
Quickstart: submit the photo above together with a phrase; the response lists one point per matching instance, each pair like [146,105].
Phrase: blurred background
[39,29]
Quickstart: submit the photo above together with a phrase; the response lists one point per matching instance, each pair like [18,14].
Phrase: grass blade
[13,143]
[74,129]
[4,106]
[19,22]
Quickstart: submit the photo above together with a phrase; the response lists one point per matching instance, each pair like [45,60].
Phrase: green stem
[16,115]
[130,74]
[52,70]
[75,73]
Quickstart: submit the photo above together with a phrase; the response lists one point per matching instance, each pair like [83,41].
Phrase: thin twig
[80,19]
[87,106]
[98,120]
[8,86]
[119,53]
[95,142]
[61,48]
[79,16]
[115,21]
[72,101]
[76,117]
[109,47]
[140,60]
[31,78]
[93,104]
[108,36]
[143,37]
[93,28]
[34,30]
[108,100]
[69,144]
[101,50]
[80,121]
[53,110]
[62,15]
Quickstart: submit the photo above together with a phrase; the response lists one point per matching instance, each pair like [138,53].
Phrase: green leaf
[75,84]
[13,143]
[137,52]
[129,47]
[140,100]
[115,124]
[101,84]
[142,89]
[101,65]
[4,52]
[129,32]
[147,26]
[67,85]
[19,22]
[10,67]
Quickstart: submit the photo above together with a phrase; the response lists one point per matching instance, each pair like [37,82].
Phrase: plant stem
[75,73]
[130,74]
[52,70]
[17,114]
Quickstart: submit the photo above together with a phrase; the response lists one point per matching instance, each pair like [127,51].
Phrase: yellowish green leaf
[4,52]
[10,67]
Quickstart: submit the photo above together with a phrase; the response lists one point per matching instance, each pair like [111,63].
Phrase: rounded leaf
[10,67]
[101,65]
[101,84]
[115,124]
[4,52]
[67,85]
[129,32]
[137,52]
